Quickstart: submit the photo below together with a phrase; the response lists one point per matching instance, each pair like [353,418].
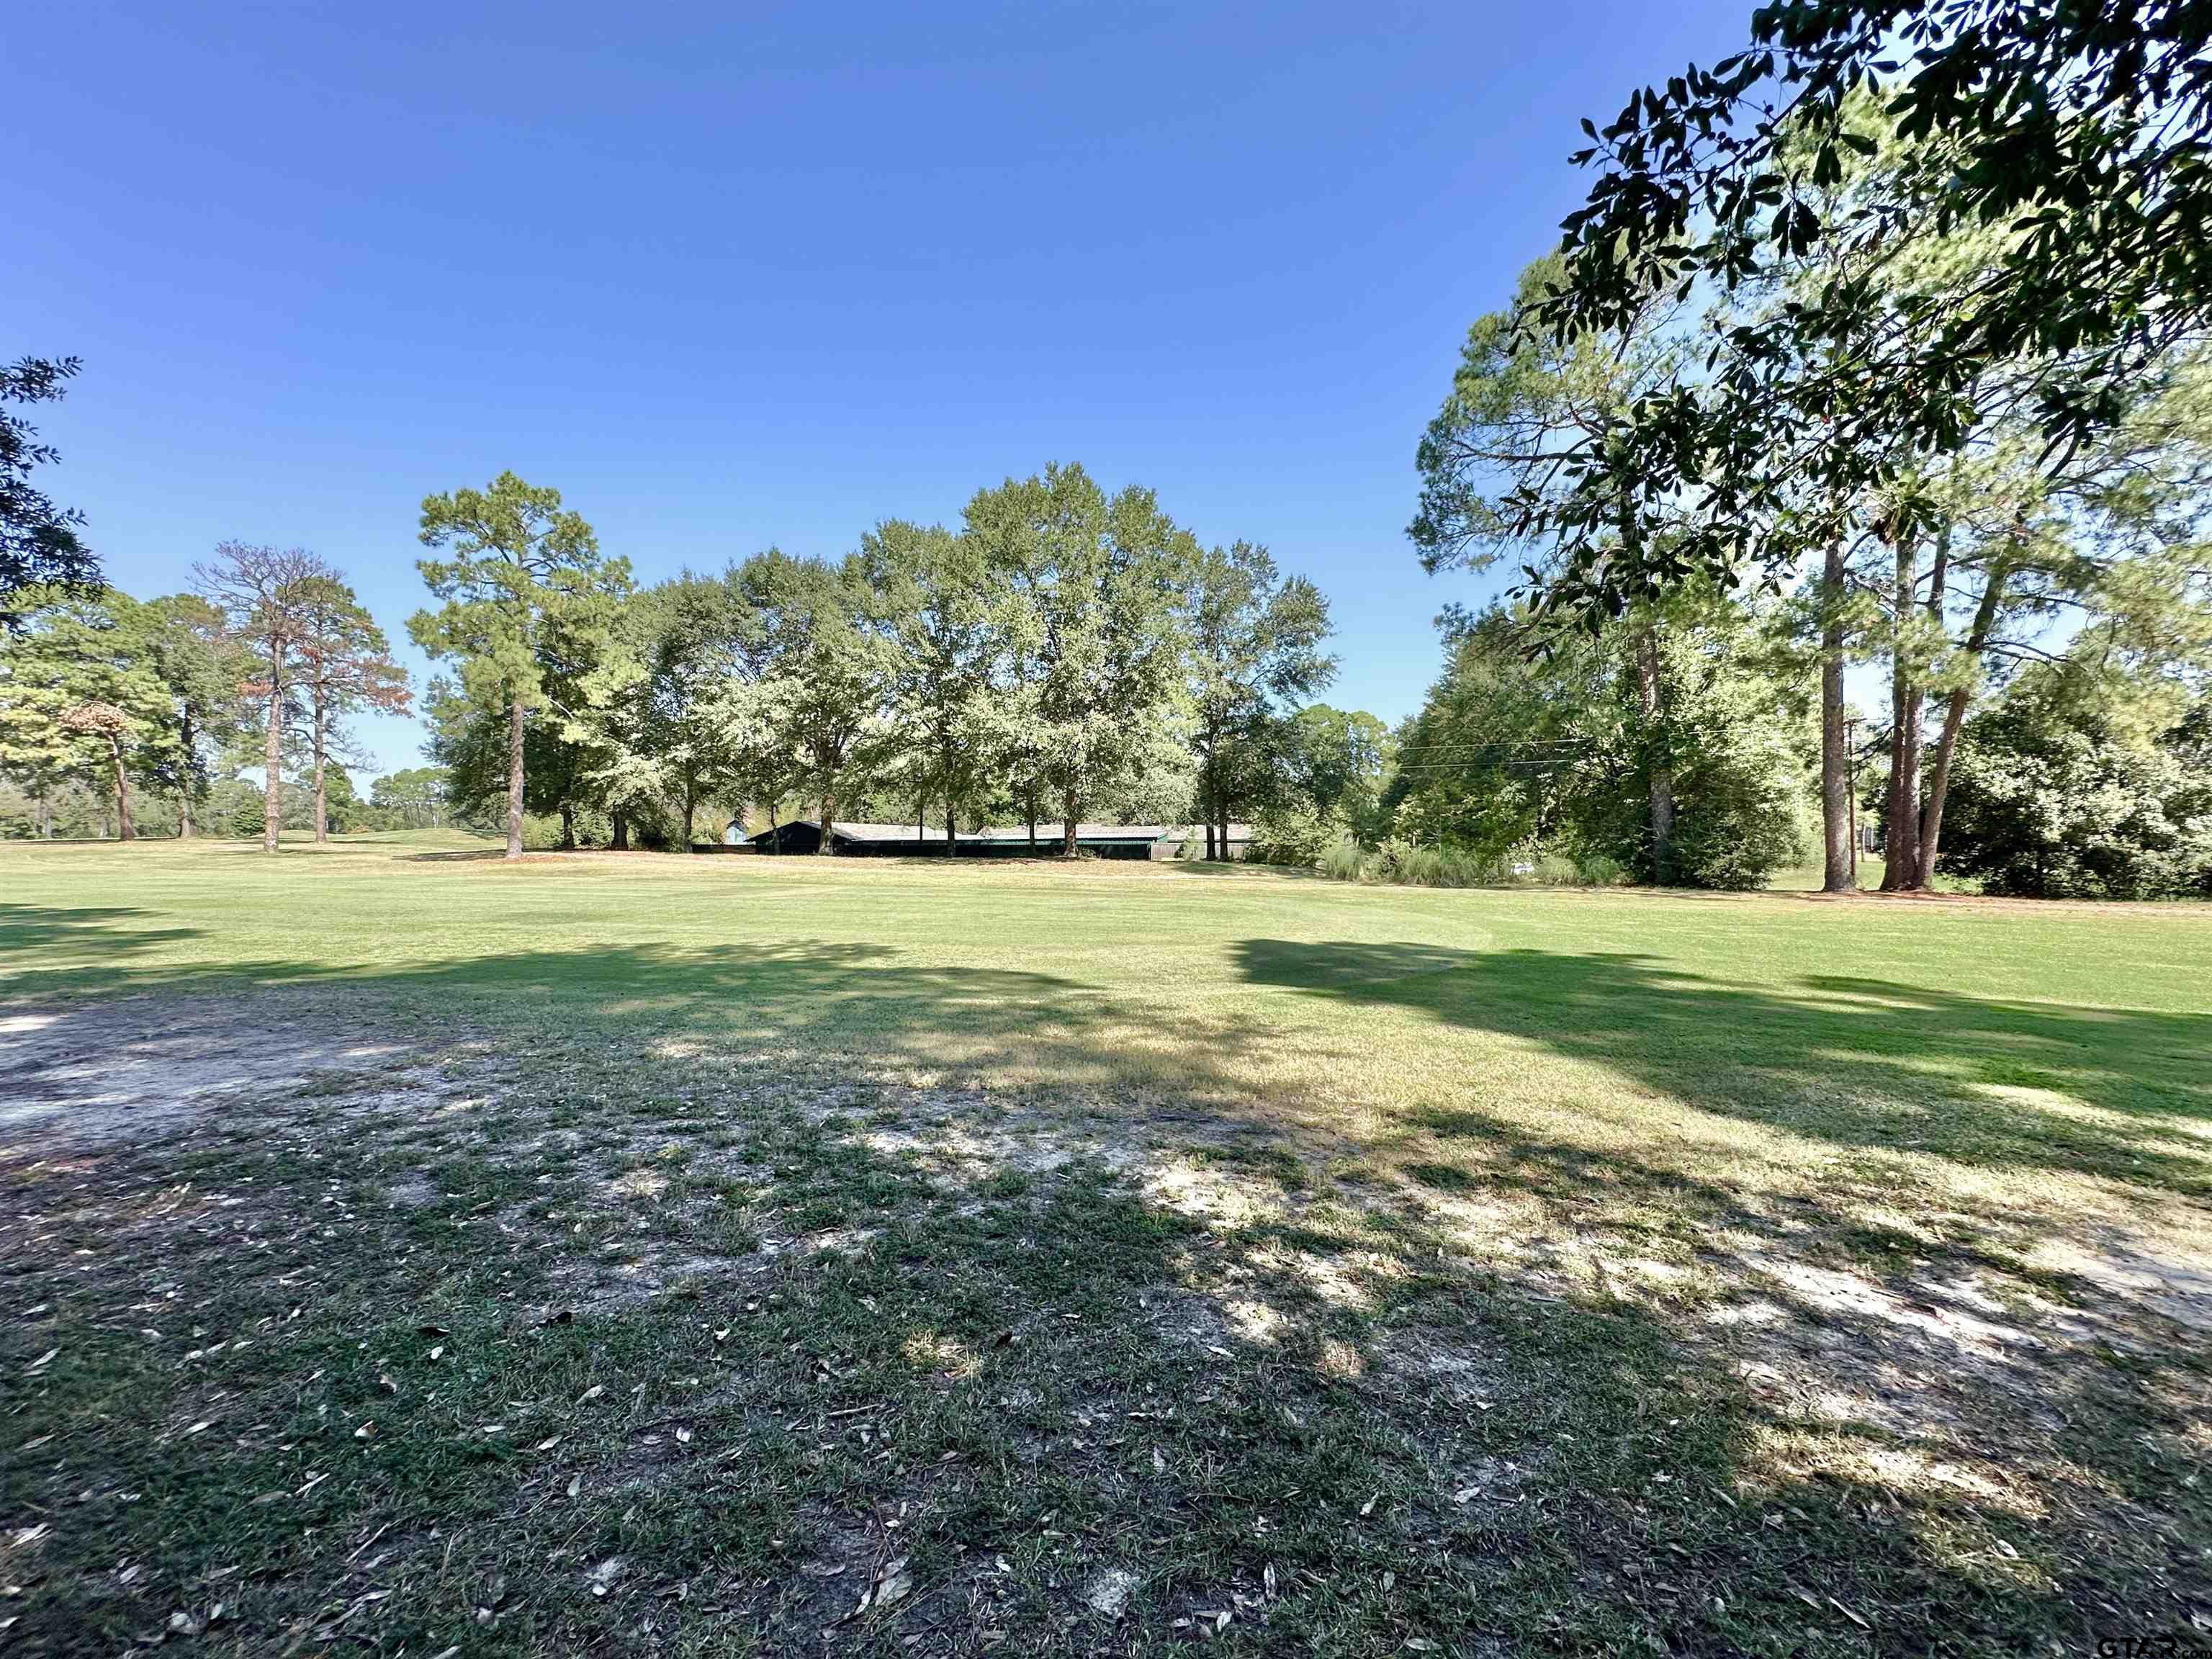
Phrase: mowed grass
[406,1252]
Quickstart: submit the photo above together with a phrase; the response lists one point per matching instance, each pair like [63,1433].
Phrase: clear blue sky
[733,275]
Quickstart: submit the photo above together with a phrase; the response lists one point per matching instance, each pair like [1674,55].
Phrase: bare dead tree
[268,594]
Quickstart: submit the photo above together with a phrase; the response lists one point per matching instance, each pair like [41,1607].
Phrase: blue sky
[734,275]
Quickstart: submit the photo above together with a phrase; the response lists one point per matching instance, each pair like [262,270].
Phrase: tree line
[168,698]
[1064,653]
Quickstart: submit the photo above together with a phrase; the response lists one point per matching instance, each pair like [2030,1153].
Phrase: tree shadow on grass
[1565,1464]
[106,934]
[1326,1420]
[1856,1062]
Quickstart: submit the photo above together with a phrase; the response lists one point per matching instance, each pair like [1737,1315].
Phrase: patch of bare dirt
[79,1075]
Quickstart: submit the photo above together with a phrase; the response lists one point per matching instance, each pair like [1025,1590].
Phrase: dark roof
[1046,833]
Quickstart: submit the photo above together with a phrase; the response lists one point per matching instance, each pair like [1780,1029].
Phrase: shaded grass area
[1483,1284]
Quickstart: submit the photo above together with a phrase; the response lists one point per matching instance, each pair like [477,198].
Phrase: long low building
[1104,841]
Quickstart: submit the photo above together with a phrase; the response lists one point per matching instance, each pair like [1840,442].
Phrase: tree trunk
[185,793]
[952,832]
[1033,821]
[1901,872]
[272,784]
[690,811]
[46,817]
[619,840]
[829,820]
[1839,873]
[1661,789]
[322,798]
[567,826]
[514,780]
[123,831]
[1954,716]
[1068,817]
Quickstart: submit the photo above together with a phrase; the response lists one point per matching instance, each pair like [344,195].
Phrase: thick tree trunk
[272,756]
[123,830]
[619,840]
[1839,874]
[1901,872]
[1660,787]
[952,832]
[1954,716]
[828,822]
[567,826]
[1068,820]
[691,812]
[514,780]
[46,817]
[1222,814]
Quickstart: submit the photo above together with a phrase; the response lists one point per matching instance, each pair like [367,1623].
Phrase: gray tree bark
[1835,741]
[514,780]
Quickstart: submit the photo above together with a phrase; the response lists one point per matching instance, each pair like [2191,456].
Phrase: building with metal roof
[1104,841]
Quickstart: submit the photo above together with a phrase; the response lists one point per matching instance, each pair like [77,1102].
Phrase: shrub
[1297,836]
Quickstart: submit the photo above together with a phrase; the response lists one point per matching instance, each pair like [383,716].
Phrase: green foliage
[1518,749]
[1338,762]
[820,707]
[948,612]
[526,589]
[1252,652]
[415,797]
[1097,649]
[2072,136]
[519,562]
[2063,793]
[1297,835]
[187,643]
[79,695]
[39,542]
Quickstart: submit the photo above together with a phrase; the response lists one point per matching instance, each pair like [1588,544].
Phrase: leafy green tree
[1099,644]
[654,707]
[204,668]
[947,610]
[825,697]
[520,564]
[2074,784]
[345,665]
[79,698]
[2076,134]
[38,543]
[1340,762]
[414,796]
[1516,750]
[1253,651]
[468,742]
[1508,450]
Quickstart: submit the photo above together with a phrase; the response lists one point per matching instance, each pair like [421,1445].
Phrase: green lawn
[407,1251]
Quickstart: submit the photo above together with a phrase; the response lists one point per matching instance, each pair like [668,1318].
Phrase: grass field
[408,1253]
